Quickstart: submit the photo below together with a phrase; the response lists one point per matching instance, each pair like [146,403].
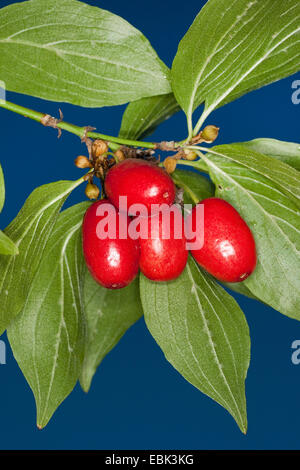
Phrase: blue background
[137,400]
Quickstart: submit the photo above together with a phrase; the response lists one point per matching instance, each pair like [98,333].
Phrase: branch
[47,120]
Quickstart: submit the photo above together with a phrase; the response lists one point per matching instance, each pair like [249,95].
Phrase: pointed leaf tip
[204,335]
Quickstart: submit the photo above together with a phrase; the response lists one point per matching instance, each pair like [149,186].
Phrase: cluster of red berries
[228,251]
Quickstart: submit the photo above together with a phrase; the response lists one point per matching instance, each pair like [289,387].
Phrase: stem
[114,142]
[198,149]
[198,165]
[200,122]
[190,127]
[82,179]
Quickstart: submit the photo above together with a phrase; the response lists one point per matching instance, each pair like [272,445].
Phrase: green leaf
[65,50]
[7,247]
[286,178]
[109,314]
[47,338]
[273,215]
[2,189]
[233,47]
[29,231]
[240,288]
[203,334]
[195,185]
[143,116]
[286,152]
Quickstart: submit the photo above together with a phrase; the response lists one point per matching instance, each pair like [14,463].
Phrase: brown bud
[170,164]
[189,155]
[119,155]
[99,147]
[210,133]
[82,162]
[92,191]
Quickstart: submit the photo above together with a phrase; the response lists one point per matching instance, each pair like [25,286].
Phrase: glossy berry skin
[113,262]
[164,259]
[141,181]
[228,252]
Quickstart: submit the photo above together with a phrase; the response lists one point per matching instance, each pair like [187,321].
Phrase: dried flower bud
[210,133]
[92,191]
[189,155]
[170,164]
[82,162]
[99,147]
[119,155]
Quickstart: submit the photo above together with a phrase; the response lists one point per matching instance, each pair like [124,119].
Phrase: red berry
[141,181]
[163,257]
[113,262]
[228,251]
